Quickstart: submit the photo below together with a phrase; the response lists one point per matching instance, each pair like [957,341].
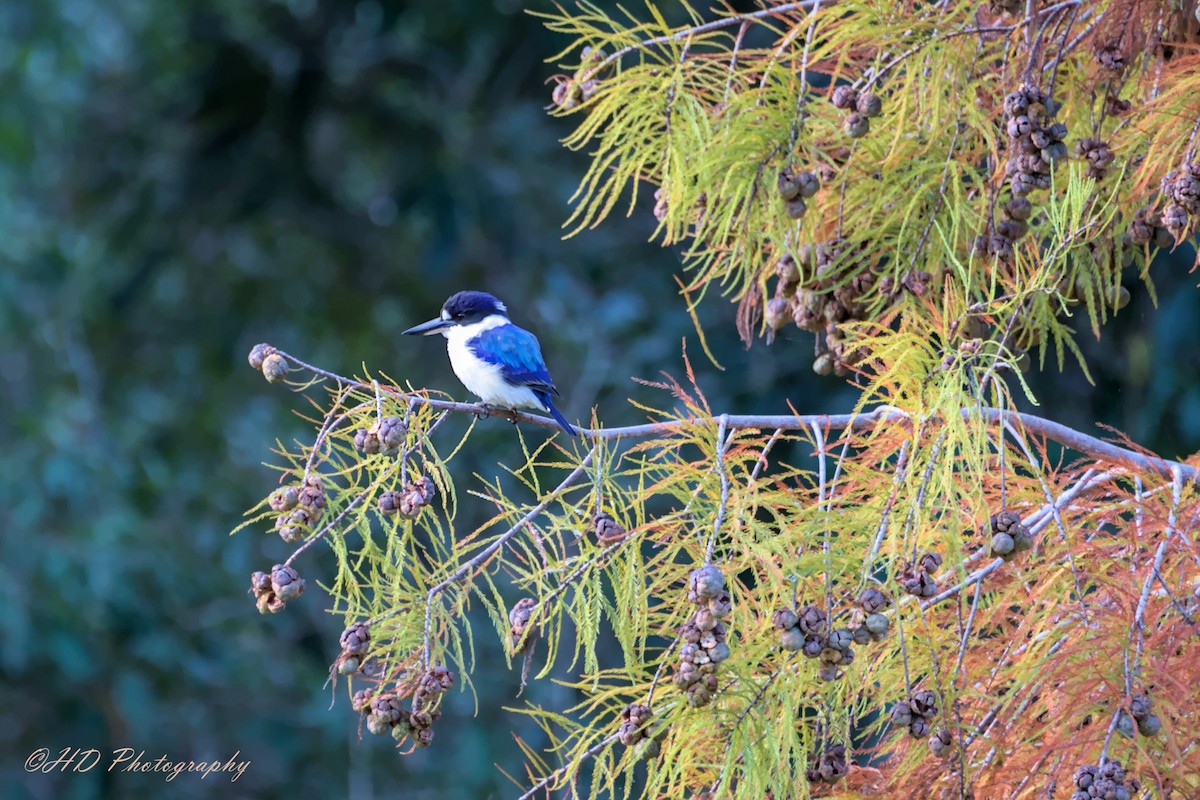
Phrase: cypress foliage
[937,603]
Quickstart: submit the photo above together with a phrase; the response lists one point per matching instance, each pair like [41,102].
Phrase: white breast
[481,378]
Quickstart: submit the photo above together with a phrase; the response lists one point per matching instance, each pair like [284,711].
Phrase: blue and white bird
[492,357]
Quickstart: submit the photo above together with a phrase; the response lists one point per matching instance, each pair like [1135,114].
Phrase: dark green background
[181,180]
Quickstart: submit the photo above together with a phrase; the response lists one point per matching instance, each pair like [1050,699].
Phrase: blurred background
[181,180]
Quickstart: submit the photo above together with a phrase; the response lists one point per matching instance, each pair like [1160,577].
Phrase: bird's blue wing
[517,353]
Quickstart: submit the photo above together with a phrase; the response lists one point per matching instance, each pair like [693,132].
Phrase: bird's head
[463,308]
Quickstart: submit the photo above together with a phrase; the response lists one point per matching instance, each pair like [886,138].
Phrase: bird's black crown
[468,307]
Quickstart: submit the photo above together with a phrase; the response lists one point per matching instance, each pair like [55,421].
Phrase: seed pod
[788,184]
[1022,539]
[260,583]
[791,639]
[1018,208]
[1163,238]
[518,620]
[844,97]
[721,605]
[923,703]
[286,582]
[868,104]
[294,526]
[901,715]
[269,603]
[705,583]
[795,207]
[356,639]
[940,743]
[813,645]
[783,619]
[647,749]
[919,727]
[1125,725]
[829,672]
[389,502]
[391,431]
[367,442]
[1140,706]
[1012,229]
[824,364]
[1175,219]
[1019,126]
[698,695]
[856,126]
[811,620]
[878,625]
[872,600]
[861,635]
[284,498]
[787,269]
[1015,104]
[1119,298]
[1150,725]
[274,368]
[259,353]
[810,184]
[840,639]
[1002,544]
[606,528]
[1022,183]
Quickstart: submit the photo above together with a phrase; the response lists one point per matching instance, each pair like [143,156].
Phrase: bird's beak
[429,328]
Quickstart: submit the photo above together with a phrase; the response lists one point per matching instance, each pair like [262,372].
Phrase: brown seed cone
[312,495]
[844,97]
[367,442]
[286,582]
[259,353]
[784,619]
[923,703]
[391,431]
[518,619]
[606,528]
[421,491]
[811,621]
[705,583]
[356,639]
[284,498]
[872,600]
[390,502]
[274,368]
[868,104]
[788,185]
[856,126]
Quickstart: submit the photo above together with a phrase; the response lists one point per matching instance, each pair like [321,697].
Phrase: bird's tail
[554,412]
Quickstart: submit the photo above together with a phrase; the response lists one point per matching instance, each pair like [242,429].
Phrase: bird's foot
[486,410]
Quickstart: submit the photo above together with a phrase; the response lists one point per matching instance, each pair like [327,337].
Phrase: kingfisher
[492,357]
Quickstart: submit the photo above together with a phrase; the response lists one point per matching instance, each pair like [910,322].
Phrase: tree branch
[1069,437]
